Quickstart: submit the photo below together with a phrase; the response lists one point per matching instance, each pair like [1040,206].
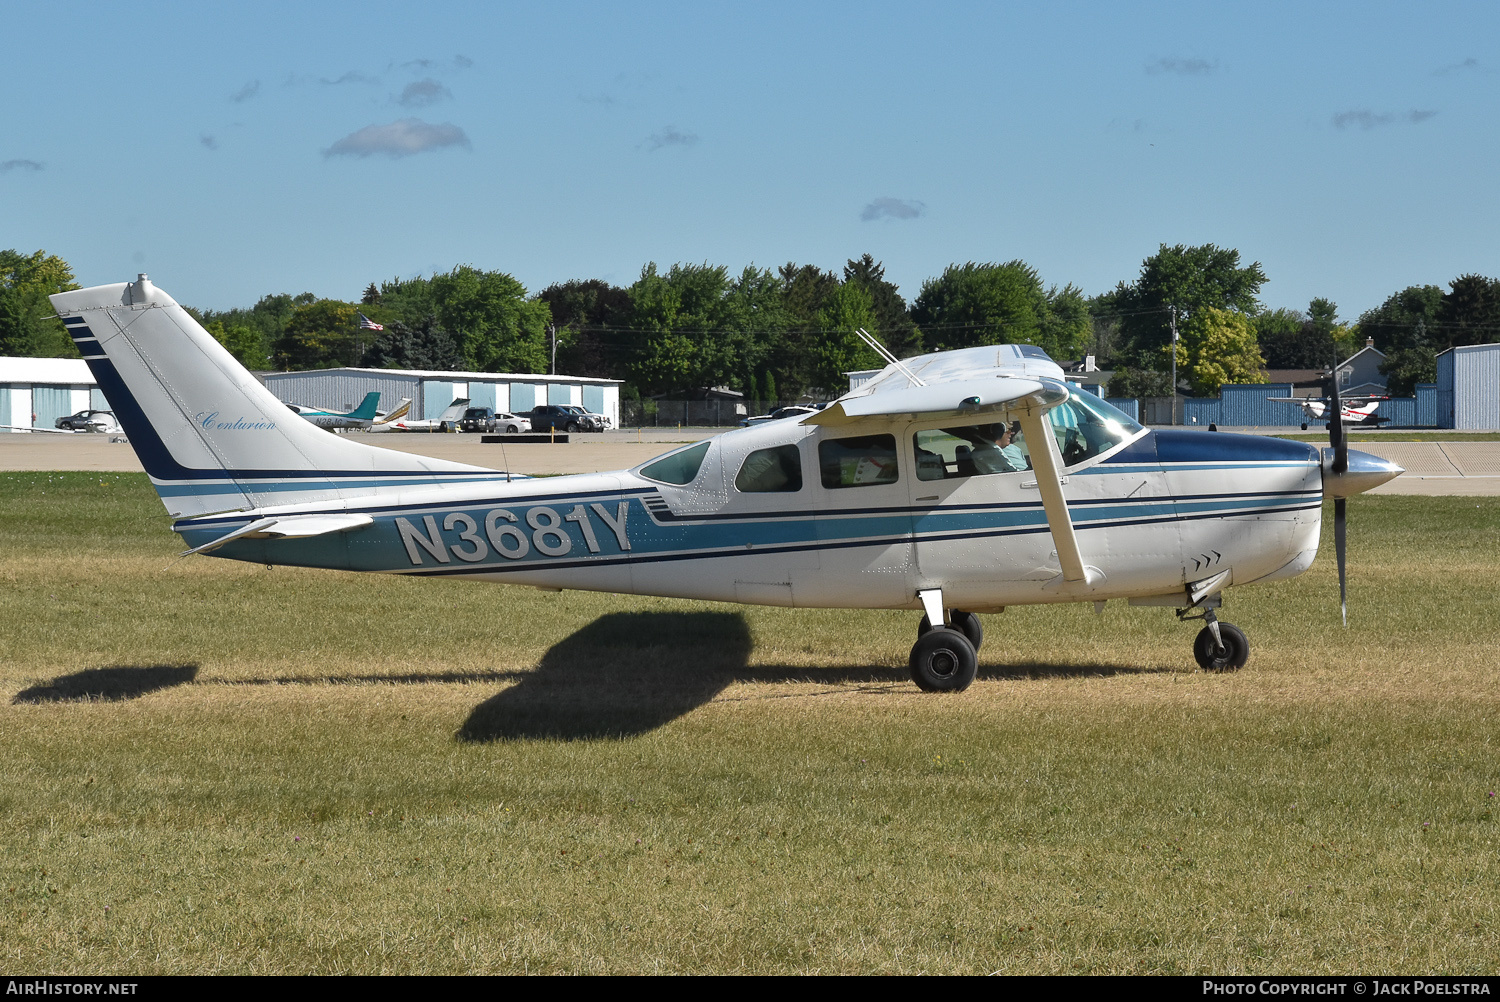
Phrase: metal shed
[1468,387]
[35,392]
[432,391]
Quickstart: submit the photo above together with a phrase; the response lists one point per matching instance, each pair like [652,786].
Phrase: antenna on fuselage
[881,350]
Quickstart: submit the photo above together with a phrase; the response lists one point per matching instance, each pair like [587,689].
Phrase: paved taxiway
[1432,468]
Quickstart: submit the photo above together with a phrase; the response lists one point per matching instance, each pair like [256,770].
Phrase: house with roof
[1359,374]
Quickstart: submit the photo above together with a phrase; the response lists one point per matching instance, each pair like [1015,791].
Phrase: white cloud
[11,165]
[398,139]
[893,208]
[1182,67]
[246,92]
[421,93]
[1367,119]
[670,136]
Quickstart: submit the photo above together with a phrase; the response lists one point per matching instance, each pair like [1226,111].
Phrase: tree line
[784,332]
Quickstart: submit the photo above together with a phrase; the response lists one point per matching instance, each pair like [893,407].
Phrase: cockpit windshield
[1085,426]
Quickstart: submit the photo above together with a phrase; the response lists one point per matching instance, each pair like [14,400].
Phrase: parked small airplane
[446,421]
[1317,409]
[954,483]
[359,419]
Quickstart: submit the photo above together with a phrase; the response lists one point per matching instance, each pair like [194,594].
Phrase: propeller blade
[1336,436]
[1341,551]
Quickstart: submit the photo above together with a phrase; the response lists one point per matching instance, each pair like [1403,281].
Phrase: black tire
[1304,425]
[965,622]
[511,429]
[943,660]
[572,427]
[1236,649]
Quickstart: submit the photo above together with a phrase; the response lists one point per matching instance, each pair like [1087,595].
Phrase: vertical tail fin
[210,436]
[367,407]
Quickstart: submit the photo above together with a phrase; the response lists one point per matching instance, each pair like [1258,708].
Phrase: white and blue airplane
[955,483]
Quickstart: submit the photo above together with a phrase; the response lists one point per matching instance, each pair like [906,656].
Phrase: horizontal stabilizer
[288,527]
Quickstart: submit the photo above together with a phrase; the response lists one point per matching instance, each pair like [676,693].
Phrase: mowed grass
[213,767]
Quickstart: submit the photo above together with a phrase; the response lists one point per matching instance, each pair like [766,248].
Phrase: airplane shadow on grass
[111,684]
[627,673]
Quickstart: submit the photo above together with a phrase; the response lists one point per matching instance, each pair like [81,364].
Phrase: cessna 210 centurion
[953,483]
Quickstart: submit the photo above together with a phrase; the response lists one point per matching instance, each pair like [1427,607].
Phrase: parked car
[90,420]
[564,417]
[511,424]
[779,413]
[477,419]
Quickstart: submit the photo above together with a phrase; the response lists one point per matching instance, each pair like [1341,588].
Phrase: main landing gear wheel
[943,660]
[965,622]
[1231,656]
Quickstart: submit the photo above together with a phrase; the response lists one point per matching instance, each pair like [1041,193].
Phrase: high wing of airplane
[1351,412]
[443,422]
[954,484]
[359,419]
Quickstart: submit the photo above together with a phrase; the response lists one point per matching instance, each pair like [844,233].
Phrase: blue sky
[236,150]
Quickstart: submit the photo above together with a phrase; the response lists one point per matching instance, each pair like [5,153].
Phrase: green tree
[243,342]
[840,349]
[319,335]
[1218,347]
[424,346]
[497,327]
[1188,278]
[1405,367]
[1469,312]
[892,316]
[593,320]
[976,304]
[1134,382]
[1405,320]
[1291,339]
[27,324]
[696,327]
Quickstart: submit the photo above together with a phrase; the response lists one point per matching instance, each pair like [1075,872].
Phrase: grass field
[213,767]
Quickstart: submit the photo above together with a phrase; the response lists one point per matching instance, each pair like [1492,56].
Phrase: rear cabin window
[857,462]
[770,471]
[678,468]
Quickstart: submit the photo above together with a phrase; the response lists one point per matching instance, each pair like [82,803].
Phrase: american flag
[366,324]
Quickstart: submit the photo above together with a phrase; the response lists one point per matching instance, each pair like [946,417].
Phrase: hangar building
[431,392]
[35,392]
[1468,387]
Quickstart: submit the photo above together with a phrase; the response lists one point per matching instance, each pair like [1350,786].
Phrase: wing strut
[1046,464]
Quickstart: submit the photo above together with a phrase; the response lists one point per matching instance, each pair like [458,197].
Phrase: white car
[778,414]
[511,424]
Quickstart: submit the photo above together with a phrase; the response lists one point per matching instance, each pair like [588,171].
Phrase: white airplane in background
[358,419]
[912,492]
[1317,408]
[445,421]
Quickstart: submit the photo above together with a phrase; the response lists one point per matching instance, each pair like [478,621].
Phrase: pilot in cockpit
[995,449]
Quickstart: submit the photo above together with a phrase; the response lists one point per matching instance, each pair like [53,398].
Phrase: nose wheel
[1219,646]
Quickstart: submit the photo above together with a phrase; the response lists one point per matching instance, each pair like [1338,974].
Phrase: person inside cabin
[993,448]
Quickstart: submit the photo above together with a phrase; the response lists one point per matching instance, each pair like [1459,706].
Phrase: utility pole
[552,329]
[1174,365]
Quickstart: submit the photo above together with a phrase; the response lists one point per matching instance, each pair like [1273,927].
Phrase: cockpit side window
[678,467]
[970,451]
[777,470]
[1086,426]
[857,462]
